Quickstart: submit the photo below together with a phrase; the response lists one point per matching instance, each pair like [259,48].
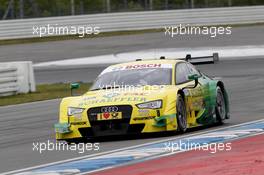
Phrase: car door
[194,98]
[204,116]
[208,109]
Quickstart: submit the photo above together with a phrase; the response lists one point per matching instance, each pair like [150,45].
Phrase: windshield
[135,77]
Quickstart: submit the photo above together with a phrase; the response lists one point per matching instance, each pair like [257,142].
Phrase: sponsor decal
[136,66]
[114,115]
[111,95]
[105,115]
[142,66]
[86,100]
[113,100]
[109,116]
[135,94]
[89,98]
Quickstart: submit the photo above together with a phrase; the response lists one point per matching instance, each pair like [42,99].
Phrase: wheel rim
[181,114]
[221,104]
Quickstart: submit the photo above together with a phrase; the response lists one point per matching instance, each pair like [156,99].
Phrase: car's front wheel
[181,114]
[220,107]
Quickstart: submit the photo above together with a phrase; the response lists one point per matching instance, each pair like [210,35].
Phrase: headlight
[72,111]
[150,105]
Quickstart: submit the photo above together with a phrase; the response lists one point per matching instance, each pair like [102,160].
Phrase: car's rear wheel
[181,114]
[220,107]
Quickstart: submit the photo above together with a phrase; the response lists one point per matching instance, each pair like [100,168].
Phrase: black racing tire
[181,114]
[220,107]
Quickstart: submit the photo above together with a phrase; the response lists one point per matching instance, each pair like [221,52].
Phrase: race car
[144,96]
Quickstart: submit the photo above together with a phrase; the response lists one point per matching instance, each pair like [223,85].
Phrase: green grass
[44,92]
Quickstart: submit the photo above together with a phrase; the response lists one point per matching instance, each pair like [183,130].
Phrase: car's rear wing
[197,60]
[200,60]
[203,59]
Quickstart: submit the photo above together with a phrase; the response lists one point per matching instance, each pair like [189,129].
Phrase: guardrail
[16,77]
[13,29]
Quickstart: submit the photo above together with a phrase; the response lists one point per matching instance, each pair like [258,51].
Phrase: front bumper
[134,121]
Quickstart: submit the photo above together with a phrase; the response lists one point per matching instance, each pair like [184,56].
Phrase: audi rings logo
[109,109]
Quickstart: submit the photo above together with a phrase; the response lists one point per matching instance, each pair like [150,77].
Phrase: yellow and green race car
[144,97]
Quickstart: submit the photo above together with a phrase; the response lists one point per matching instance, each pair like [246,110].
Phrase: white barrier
[12,29]
[16,77]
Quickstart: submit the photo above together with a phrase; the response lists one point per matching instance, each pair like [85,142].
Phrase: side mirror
[195,78]
[74,86]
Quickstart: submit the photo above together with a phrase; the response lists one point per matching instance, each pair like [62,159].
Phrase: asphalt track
[21,125]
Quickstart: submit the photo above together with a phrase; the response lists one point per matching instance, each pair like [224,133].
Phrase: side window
[182,73]
[192,69]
